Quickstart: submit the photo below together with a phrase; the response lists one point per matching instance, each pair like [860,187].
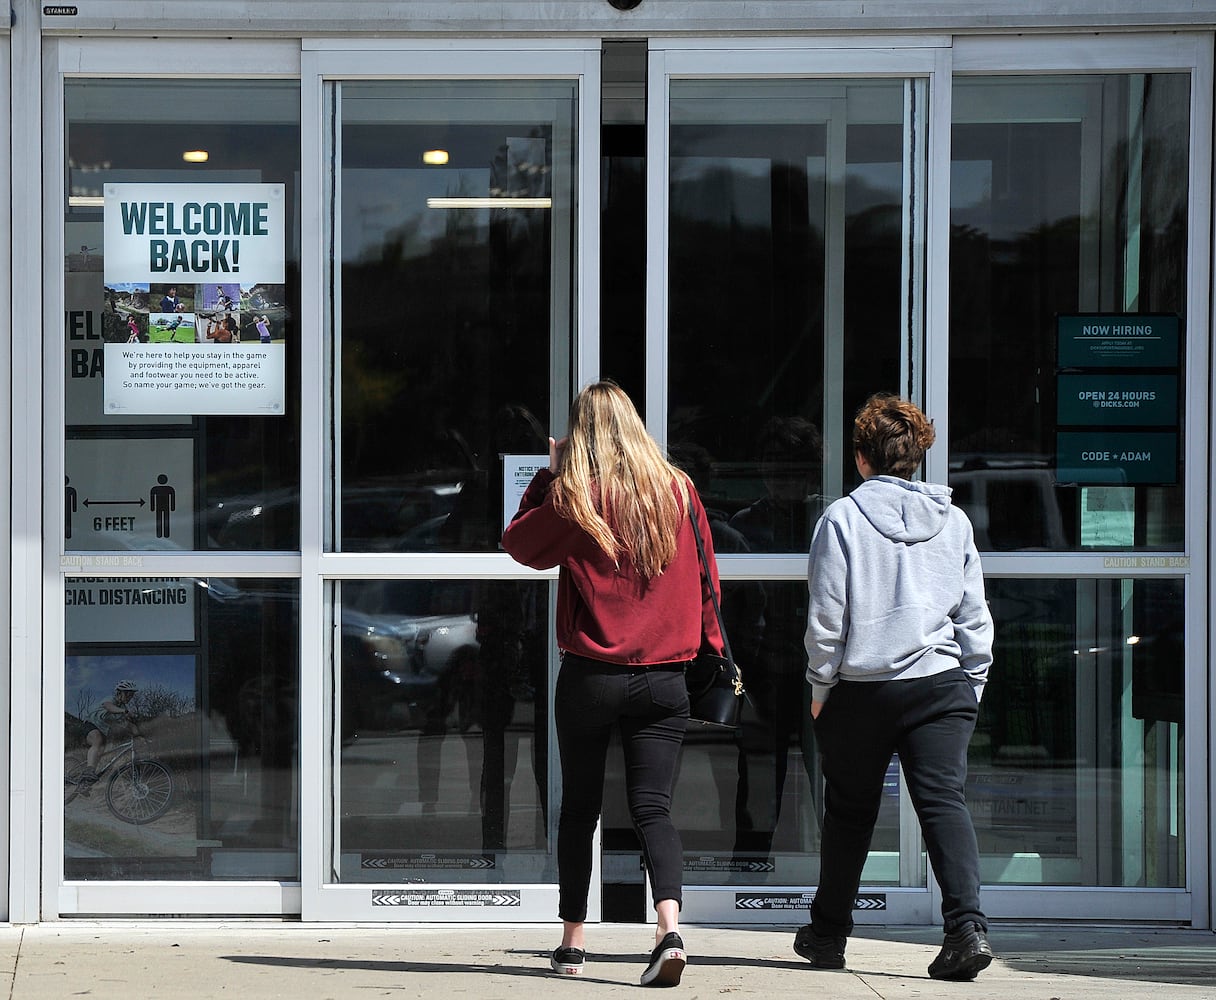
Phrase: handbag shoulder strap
[713,595]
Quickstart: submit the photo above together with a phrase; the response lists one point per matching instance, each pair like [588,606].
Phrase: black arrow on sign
[102,503]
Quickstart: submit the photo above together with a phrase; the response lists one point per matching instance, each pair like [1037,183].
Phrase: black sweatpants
[928,721]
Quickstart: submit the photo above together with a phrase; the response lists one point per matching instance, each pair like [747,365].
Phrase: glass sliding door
[1046,269]
[794,235]
[1070,213]
[178,678]
[452,351]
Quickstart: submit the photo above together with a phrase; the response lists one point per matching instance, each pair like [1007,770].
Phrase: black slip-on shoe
[568,961]
[823,951]
[965,953]
[667,962]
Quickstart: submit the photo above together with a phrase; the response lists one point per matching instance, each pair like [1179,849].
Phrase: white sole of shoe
[667,969]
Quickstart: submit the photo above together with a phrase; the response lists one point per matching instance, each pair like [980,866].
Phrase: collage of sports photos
[220,313]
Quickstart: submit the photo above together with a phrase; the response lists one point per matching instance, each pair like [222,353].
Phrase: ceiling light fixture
[489,203]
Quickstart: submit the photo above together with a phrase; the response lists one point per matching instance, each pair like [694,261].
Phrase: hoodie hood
[903,511]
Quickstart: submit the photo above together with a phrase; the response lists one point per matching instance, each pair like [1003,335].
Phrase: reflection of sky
[970,184]
[390,204]
[734,188]
[971,198]
[99,674]
[873,185]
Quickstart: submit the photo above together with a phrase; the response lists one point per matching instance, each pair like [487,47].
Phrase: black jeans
[650,704]
[929,722]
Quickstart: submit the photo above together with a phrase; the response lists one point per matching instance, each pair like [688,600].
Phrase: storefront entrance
[321,321]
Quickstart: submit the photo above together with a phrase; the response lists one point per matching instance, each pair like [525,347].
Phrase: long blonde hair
[613,469]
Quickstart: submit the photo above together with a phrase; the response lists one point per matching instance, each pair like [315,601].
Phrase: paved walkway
[168,960]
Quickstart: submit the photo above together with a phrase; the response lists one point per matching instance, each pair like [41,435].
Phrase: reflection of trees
[1004,296]
[85,700]
[746,301]
[748,296]
[158,700]
[439,331]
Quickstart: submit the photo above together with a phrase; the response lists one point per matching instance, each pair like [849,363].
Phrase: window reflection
[180,722]
[1076,770]
[236,477]
[774,344]
[444,728]
[1046,220]
[456,320]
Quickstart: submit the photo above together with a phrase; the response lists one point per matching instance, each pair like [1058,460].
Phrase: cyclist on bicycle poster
[112,720]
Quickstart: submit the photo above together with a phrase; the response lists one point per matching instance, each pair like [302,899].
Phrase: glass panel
[788,289]
[1077,774]
[786,281]
[750,804]
[456,302]
[194,774]
[154,340]
[1068,197]
[442,768]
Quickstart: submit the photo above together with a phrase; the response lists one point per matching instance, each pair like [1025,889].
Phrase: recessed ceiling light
[435,157]
[195,156]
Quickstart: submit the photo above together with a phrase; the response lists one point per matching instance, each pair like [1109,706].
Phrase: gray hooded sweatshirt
[896,589]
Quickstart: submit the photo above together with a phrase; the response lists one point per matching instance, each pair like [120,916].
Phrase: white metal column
[23,682]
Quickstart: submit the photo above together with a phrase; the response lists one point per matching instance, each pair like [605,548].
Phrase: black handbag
[715,683]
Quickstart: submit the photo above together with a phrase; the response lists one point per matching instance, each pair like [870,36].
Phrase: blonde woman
[633,608]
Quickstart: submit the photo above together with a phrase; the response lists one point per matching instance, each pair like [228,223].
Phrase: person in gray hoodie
[899,641]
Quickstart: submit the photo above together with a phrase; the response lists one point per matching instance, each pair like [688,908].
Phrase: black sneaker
[568,961]
[823,951]
[667,962]
[965,953]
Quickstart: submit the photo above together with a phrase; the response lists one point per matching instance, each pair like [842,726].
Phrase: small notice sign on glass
[517,473]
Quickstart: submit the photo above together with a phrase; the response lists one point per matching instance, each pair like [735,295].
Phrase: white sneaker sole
[667,969]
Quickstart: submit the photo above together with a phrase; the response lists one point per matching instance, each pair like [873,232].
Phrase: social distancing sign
[129,494]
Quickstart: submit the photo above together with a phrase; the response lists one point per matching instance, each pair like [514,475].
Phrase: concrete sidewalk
[319,962]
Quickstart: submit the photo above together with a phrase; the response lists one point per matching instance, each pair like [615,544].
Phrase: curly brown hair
[892,435]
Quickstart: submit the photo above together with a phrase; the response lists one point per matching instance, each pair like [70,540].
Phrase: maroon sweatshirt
[610,612]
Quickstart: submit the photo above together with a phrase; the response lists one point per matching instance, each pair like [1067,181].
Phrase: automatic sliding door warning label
[440,862]
[714,863]
[445,897]
[800,901]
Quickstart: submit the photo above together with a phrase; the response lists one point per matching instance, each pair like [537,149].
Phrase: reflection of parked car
[1011,505]
[405,670]
[404,515]
[399,670]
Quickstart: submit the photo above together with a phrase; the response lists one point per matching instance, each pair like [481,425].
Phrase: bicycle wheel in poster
[140,791]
